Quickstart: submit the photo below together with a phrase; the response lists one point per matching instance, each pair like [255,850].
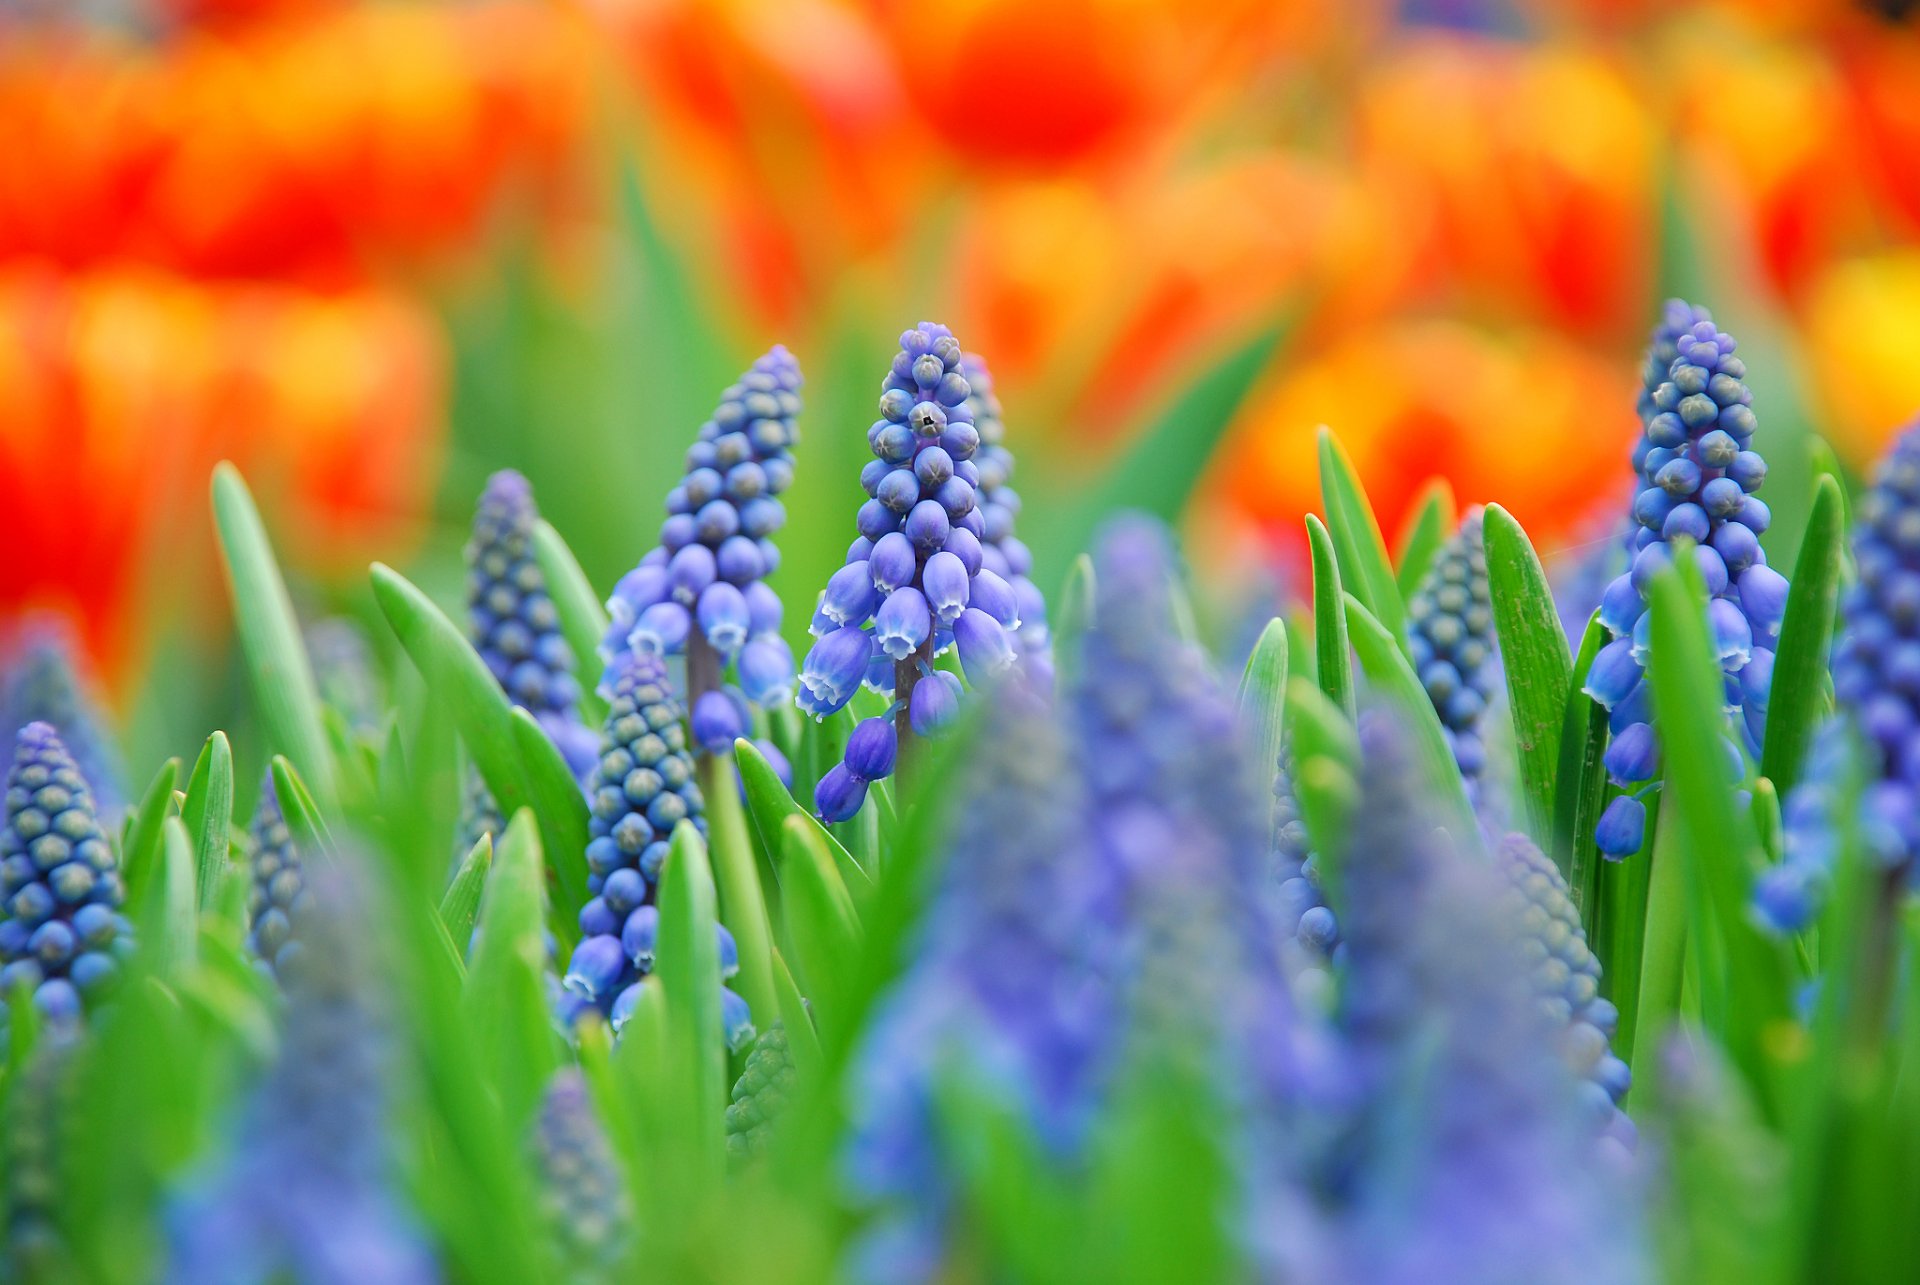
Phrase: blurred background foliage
[372,251]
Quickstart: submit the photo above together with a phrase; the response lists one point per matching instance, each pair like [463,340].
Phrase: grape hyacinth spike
[276,899]
[935,566]
[44,679]
[62,933]
[1450,632]
[1698,474]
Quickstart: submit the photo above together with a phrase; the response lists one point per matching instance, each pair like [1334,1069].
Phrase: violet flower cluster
[641,788]
[584,1201]
[705,580]
[1450,633]
[920,577]
[1698,477]
[62,933]
[276,897]
[43,680]
[1876,685]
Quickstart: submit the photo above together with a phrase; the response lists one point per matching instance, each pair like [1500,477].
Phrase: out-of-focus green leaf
[1533,651]
[1433,521]
[582,619]
[1392,676]
[694,1061]
[1326,758]
[1580,780]
[769,805]
[283,682]
[792,1007]
[1263,697]
[1619,932]
[170,913]
[820,918]
[1798,700]
[562,813]
[505,999]
[140,844]
[208,812]
[743,906]
[1333,654]
[1070,616]
[460,907]
[1357,543]
[297,805]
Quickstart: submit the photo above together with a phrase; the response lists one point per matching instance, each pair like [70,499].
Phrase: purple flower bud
[902,623]
[1755,515]
[1621,605]
[1613,673]
[640,936]
[763,609]
[1732,635]
[624,1005]
[985,649]
[1648,563]
[677,532]
[1621,828]
[850,598]
[899,490]
[1633,755]
[934,705]
[893,563]
[661,630]
[736,1021]
[871,749]
[1686,521]
[1713,569]
[689,571]
[637,590]
[832,671]
[946,584]
[1763,596]
[927,526]
[932,466]
[876,519]
[716,723]
[964,545]
[723,617]
[765,668]
[839,794]
[739,562]
[995,596]
[597,964]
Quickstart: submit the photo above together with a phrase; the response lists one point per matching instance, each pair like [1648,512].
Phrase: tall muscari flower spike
[705,581]
[514,626]
[307,1189]
[1450,632]
[1002,552]
[1698,474]
[641,788]
[43,680]
[1876,686]
[583,1194]
[1468,1155]
[760,1094]
[61,930]
[276,900]
[917,579]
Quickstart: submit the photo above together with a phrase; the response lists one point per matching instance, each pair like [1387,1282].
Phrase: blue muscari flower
[1876,686]
[935,564]
[1450,633]
[276,899]
[584,1200]
[1698,473]
[61,930]
[642,786]
[706,577]
[306,1192]
[43,679]
[1468,1151]
[512,621]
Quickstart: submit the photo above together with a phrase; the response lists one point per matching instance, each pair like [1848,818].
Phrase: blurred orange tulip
[1862,335]
[123,388]
[1523,174]
[1524,418]
[1882,67]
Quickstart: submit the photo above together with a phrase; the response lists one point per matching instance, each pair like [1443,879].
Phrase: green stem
[1663,954]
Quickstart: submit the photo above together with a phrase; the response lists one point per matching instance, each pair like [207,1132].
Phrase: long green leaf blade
[743,904]
[504,999]
[1798,700]
[560,811]
[695,1047]
[208,812]
[1392,676]
[1365,571]
[583,620]
[1533,651]
[1433,521]
[769,805]
[1263,697]
[1333,654]
[460,905]
[140,853]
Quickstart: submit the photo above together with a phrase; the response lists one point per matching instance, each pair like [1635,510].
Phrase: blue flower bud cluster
[1876,686]
[918,579]
[1003,552]
[512,621]
[583,1194]
[61,931]
[1450,632]
[343,668]
[716,548]
[43,680]
[276,901]
[307,1189]
[1470,1149]
[1698,474]
[1565,976]
[760,1094]
[641,788]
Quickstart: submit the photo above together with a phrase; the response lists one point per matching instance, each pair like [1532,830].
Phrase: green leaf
[1160,467]
[140,853]
[1333,655]
[297,805]
[505,999]
[1392,676]
[769,806]
[1433,521]
[1326,759]
[170,919]
[1798,700]
[695,1056]
[820,918]
[1742,977]
[1533,651]
[283,682]
[582,618]
[561,811]
[792,1007]
[460,906]
[208,812]
[1357,543]
[1263,697]
[743,905]
[1071,612]
[1580,781]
